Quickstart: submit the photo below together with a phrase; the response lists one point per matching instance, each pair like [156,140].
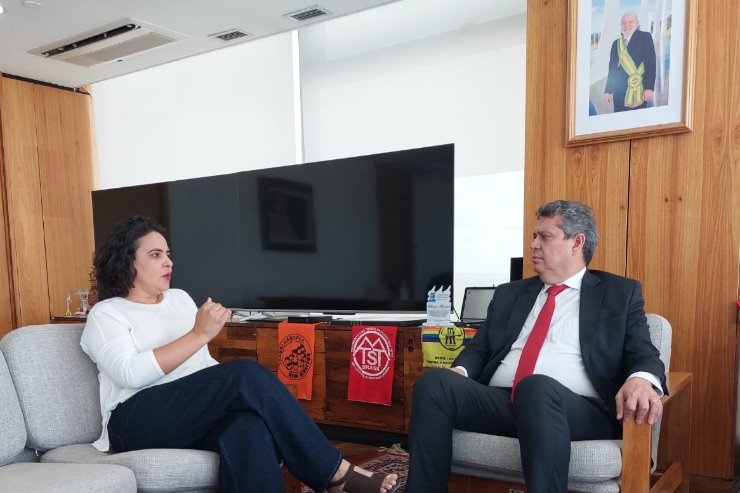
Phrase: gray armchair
[57,400]
[491,463]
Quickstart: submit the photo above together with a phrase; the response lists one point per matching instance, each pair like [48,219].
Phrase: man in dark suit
[594,364]
[631,79]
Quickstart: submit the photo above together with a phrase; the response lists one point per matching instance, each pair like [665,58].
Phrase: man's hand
[210,319]
[647,95]
[608,97]
[637,399]
[459,370]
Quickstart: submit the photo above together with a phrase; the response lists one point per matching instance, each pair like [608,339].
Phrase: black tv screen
[363,234]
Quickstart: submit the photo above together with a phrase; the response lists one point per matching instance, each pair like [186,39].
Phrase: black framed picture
[287,215]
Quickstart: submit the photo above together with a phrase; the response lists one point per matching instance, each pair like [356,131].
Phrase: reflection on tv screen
[368,233]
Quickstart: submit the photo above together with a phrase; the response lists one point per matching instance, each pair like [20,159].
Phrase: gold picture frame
[596,65]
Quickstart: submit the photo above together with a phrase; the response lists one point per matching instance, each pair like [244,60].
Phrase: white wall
[462,83]
[409,74]
[225,111]
[426,72]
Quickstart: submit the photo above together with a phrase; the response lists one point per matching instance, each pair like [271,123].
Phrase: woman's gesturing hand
[210,319]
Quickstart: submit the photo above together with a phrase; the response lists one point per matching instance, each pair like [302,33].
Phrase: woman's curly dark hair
[114,258]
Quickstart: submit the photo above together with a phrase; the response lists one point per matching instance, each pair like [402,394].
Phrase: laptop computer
[475,305]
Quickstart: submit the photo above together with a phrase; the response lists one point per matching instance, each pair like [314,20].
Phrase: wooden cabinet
[46,233]
[329,404]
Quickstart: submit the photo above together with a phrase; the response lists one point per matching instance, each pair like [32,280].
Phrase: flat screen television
[363,234]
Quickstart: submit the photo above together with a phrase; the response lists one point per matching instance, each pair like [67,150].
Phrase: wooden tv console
[258,341]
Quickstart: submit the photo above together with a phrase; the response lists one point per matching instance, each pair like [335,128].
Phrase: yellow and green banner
[440,345]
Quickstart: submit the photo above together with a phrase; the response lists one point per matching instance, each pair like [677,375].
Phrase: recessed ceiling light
[2,9]
[31,3]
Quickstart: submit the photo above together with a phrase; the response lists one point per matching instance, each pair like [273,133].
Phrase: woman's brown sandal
[355,482]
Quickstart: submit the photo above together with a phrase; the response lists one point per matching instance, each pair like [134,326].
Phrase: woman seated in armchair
[160,388]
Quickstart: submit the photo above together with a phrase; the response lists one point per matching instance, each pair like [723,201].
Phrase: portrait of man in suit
[564,355]
[630,46]
[630,84]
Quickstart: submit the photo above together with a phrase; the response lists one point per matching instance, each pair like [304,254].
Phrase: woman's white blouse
[120,337]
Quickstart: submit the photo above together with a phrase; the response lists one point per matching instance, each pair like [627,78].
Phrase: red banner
[371,364]
[296,343]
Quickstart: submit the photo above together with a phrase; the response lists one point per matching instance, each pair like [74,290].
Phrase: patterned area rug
[393,460]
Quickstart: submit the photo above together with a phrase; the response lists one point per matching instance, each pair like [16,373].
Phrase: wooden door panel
[65,155]
[7,308]
[25,213]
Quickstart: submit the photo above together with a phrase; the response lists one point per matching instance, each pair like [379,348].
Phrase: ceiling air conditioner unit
[308,13]
[108,43]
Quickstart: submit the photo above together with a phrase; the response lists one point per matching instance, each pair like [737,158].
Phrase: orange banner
[296,345]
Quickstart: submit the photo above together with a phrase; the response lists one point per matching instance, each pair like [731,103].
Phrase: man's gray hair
[575,218]
[637,17]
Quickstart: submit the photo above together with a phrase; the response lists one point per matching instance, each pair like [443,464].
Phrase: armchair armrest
[675,443]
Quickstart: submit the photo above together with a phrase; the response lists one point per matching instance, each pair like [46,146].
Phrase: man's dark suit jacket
[614,335]
[641,49]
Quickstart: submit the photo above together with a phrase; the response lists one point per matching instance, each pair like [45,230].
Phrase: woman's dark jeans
[238,409]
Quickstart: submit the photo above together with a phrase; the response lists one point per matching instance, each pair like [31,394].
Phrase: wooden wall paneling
[93,141]
[734,227]
[65,170]
[663,238]
[7,309]
[596,174]
[685,237]
[544,152]
[680,195]
[25,214]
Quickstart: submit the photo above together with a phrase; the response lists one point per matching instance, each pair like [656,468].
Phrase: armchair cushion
[171,470]
[11,417]
[59,478]
[27,455]
[590,461]
[595,465]
[57,384]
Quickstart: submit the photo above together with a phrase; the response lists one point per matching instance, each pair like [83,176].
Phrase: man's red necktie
[536,339]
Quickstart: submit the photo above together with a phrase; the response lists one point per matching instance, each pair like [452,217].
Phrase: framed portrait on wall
[286,215]
[630,68]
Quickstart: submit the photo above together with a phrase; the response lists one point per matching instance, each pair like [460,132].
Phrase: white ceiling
[25,28]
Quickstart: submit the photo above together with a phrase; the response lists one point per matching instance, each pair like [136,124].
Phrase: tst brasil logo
[295,357]
[372,353]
